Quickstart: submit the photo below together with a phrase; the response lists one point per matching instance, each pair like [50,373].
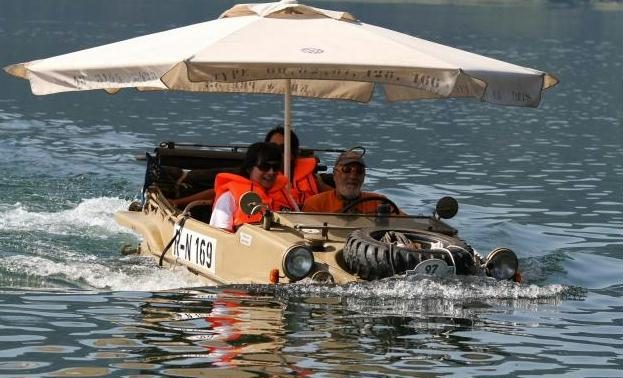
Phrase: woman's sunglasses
[267,166]
[358,169]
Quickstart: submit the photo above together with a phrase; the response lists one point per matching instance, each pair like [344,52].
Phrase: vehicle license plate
[432,267]
[195,248]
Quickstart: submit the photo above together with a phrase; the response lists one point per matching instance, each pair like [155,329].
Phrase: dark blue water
[546,182]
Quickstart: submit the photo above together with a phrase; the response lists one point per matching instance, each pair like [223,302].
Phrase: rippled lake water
[546,182]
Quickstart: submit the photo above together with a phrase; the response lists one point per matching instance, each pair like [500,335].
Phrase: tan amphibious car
[288,247]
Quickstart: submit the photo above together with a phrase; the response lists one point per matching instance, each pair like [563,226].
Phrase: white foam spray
[91,214]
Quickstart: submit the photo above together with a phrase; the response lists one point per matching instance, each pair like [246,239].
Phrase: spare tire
[370,253]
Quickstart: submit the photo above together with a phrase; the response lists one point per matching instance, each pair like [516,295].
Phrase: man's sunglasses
[358,169]
[267,166]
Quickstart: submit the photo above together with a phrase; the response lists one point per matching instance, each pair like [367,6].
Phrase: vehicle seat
[201,213]
[180,172]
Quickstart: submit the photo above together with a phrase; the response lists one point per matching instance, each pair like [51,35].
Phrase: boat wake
[453,288]
[445,296]
[120,274]
[93,216]
[78,248]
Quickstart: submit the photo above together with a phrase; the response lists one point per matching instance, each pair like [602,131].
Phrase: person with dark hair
[303,180]
[261,173]
[277,135]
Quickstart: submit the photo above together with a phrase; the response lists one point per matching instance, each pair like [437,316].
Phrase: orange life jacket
[275,198]
[329,202]
[304,183]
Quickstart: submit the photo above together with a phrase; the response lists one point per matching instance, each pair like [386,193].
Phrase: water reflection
[257,331]
[263,330]
[217,330]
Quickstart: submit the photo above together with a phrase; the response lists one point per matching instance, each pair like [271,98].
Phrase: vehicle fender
[142,225]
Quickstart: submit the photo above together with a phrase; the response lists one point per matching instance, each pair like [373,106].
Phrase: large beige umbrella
[292,49]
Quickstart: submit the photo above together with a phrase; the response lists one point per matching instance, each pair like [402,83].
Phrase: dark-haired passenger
[304,182]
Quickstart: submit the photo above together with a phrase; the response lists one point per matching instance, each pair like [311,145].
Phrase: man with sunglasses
[260,173]
[349,173]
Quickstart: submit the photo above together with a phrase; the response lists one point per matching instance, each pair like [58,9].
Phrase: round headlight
[502,264]
[298,262]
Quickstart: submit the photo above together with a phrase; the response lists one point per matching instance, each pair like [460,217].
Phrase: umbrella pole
[287,126]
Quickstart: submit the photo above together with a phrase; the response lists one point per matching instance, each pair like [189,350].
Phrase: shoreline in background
[603,5]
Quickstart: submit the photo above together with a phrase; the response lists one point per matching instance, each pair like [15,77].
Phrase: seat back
[187,158]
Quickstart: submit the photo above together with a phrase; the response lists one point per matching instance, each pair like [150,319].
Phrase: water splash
[458,299]
[460,288]
[78,248]
[93,216]
[122,274]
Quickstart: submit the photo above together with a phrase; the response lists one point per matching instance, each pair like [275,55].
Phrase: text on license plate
[195,248]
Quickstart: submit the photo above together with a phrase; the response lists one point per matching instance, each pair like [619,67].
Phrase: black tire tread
[372,259]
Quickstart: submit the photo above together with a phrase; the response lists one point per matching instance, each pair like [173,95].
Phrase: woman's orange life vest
[304,183]
[275,198]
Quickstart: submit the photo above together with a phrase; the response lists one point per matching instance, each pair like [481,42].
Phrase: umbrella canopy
[292,49]
[288,48]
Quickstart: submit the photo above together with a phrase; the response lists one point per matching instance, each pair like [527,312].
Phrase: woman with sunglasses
[349,173]
[260,173]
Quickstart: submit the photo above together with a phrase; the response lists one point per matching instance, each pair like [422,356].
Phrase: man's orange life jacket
[275,198]
[329,202]
[304,183]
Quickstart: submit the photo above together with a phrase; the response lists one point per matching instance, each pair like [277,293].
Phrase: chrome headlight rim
[502,264]
[298,262]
